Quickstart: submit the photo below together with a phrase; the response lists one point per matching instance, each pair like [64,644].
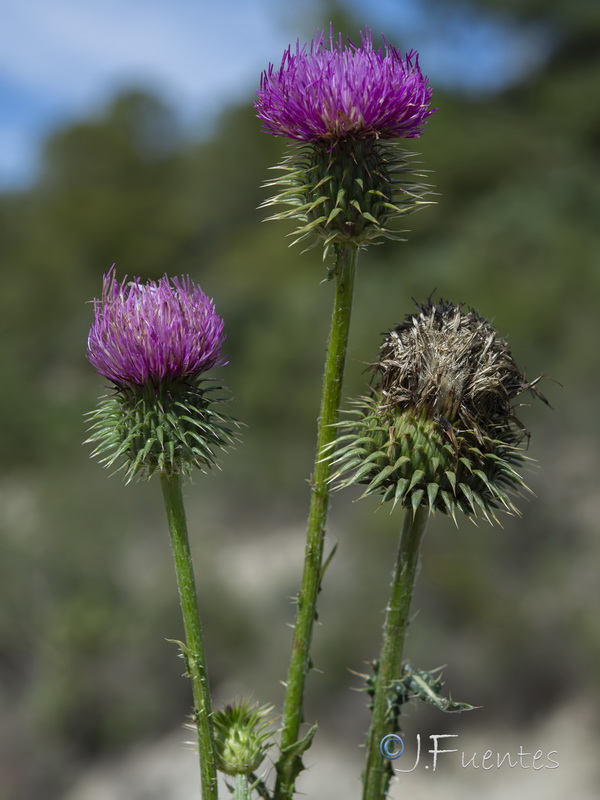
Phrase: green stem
[377,775]
[288,765]
[193,650]
[241,788]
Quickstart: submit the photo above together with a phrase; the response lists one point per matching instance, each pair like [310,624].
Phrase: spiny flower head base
[329,93]
[345,179]
[349,194]
[439,427]
[155,342]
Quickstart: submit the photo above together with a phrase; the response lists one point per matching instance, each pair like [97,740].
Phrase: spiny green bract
[171,426]
[413,460]
[350,191]
[413,684]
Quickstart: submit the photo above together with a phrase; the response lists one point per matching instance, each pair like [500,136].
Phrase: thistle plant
[346,181]
[154,342]
[437,432]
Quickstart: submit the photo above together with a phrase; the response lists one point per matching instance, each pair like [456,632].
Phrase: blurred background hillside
[87,591]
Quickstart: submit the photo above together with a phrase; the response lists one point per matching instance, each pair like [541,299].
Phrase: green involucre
[171,426]
[414,460]
[347,192]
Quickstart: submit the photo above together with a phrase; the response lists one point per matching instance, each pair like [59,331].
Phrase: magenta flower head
[148,333]
[345,178]
[329,91]
[155,342]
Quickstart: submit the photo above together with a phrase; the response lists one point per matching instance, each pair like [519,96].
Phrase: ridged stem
[241,788]
[193,650]
[376,776]
[287,765]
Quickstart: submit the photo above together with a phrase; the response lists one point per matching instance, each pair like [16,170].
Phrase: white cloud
[65,45]
[68,55]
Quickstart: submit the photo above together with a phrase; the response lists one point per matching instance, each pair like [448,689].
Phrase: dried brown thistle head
[439,427]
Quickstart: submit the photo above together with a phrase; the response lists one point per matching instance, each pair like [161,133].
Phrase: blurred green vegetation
[88,594]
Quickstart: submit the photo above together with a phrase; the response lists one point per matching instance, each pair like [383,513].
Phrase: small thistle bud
[439,427]
[154,342]
[241,737]
[346,179]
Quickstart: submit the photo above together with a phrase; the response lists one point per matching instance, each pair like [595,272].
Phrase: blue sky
[62,59]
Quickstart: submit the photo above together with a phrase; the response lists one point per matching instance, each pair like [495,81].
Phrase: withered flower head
[439,426]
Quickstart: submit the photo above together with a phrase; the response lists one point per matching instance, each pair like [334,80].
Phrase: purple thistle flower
[154,331]
[330,92]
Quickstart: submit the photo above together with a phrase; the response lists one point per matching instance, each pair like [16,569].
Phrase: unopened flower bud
[242,737]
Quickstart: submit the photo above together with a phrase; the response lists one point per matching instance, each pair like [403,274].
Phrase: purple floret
[328,91]
[149,332]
